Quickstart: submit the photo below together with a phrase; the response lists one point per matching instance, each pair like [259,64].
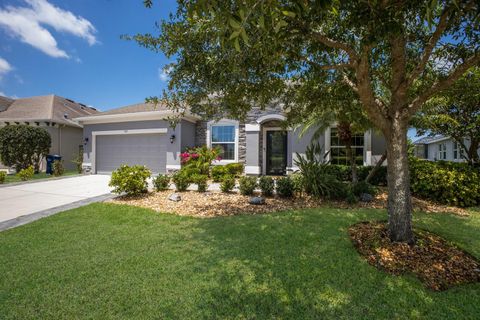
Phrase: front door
[276,152]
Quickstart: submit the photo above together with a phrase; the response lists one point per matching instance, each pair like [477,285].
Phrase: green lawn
[38,176]
[106,261]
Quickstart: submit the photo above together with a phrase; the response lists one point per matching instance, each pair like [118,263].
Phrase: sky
[72,48]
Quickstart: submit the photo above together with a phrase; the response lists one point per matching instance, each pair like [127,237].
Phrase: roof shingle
[46,108]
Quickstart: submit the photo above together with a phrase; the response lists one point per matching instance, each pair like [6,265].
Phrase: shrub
[298,183]
[285,187]
[318,181]
[445,182]
[234,169]
[344,173]
[363,187]
[3,175]
[201,181]
[26,174]
[182,180]
[267,185]
[228,183]
[218,172]
[57,168]
[191,171]
[200,158]
[22,146]
[161,182]
[78,161]
[130,179]
[247,185]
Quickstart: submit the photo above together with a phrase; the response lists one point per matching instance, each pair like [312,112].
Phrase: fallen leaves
[438,264]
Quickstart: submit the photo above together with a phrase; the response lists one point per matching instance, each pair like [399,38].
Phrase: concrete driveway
[44,196]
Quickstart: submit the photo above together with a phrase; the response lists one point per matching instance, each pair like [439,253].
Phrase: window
[338,152]
[457,151]
[442,151]
[223,135]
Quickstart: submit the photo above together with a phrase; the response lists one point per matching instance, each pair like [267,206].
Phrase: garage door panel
[112,151]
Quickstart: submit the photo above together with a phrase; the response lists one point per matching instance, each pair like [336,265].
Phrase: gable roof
[134,108]
[428,140]
[136,112]
[5,103]
[49,108]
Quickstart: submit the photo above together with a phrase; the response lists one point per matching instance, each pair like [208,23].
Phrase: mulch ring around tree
[438,264]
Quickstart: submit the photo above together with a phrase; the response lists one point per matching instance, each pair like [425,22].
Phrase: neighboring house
[440,148]
[53,113]
[141,134]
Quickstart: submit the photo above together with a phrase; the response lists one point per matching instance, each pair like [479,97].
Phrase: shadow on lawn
[302,265]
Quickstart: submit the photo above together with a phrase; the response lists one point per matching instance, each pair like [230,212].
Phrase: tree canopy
[455,112]
[232,55]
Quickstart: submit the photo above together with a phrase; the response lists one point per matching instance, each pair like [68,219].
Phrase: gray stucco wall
[187,135]
[173,149]
[379,144]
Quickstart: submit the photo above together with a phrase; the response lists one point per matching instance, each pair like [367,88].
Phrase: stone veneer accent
[252,116]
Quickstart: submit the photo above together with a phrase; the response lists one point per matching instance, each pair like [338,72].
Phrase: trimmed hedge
[344,173]
[449,183]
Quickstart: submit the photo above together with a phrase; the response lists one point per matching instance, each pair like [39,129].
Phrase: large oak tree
[235,54]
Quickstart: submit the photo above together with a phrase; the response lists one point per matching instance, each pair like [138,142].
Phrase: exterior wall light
[172,138]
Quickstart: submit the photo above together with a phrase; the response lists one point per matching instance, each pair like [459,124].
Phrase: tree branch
[374,107]
[398,85]
[337,45]
[339,66]
[350,83]
[443,84]
[427,52]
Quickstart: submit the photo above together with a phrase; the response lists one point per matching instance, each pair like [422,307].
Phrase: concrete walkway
[41,198]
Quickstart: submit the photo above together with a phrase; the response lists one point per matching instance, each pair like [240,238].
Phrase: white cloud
[164,73]
[27,23]
[5,67]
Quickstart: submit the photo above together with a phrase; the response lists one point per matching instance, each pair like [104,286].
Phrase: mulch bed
[212,204]
[215,203]
[438,264]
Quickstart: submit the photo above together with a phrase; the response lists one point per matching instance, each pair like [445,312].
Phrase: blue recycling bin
[50,159]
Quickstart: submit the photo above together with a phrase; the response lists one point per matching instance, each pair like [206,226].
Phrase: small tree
[22,146]
[319,108]
[456,113]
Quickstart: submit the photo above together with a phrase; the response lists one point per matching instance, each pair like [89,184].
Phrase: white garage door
[112,151]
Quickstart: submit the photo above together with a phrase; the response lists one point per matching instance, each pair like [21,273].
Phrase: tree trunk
[399,198]
[351,159]
[377,166]
[472,152]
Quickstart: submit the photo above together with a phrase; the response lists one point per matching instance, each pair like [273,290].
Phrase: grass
[107,261]
[11,178]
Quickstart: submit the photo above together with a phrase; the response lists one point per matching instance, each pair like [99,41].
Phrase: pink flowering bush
[200,158]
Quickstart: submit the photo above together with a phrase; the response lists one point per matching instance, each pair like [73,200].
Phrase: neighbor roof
[428,140]
[50,108]
[5,103]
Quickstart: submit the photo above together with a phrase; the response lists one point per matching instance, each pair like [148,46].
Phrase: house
[142,134]
[53,113]
[440,148]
